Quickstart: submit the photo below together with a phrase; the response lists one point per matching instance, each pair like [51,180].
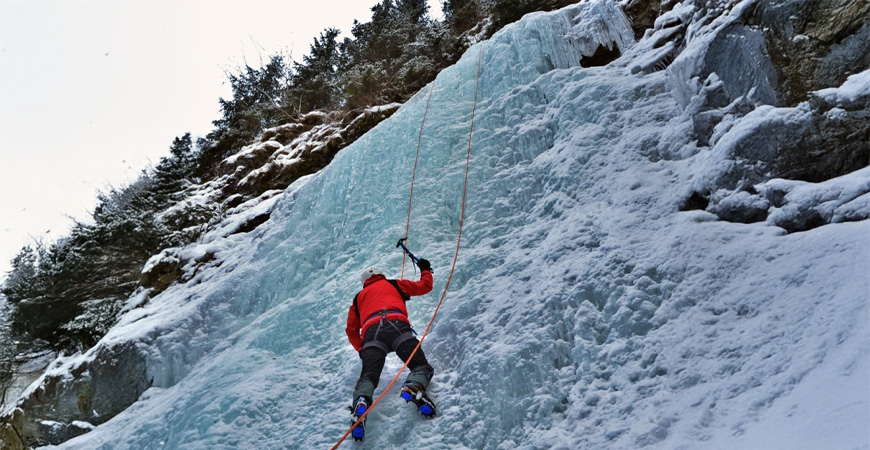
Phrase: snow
[246,152]
[164,256]
[586,311]
[83,425]
[383,108]
[840,409]
[855,88]
[832,199]
[801,38]
[51,423]
[237,216]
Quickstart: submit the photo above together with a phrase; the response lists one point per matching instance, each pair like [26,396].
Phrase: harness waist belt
[383,314]
[382,317]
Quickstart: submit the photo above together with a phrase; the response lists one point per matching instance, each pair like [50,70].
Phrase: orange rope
[414,174]
[452,269]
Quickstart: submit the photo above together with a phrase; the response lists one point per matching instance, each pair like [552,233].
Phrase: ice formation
[586,310]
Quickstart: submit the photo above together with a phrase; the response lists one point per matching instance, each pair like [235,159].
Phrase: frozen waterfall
[586,310]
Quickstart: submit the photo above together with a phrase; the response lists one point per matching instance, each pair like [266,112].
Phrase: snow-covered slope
[587,310]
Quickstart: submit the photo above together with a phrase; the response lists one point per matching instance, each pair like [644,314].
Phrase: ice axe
[401,243]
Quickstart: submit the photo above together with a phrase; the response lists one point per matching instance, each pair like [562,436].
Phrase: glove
[423,264]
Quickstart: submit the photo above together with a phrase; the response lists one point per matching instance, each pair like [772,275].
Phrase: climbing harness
[455,256]
[396,342]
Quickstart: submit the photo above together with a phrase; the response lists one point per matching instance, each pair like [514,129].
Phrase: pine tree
[175,172]
[8,347]
[508,11]
[21,282]
[257,102]
[412,13]
[315,80]
[462,15]
[393,55]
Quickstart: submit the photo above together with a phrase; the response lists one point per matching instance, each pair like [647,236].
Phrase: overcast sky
[93,91]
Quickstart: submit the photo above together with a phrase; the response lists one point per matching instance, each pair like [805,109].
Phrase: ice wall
[586,310]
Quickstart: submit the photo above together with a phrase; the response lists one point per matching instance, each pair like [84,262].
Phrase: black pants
[374,357]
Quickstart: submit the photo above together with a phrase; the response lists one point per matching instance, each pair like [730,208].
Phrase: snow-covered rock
[800,206]
[290,151]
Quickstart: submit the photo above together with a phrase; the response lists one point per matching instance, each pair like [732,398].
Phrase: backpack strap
[405,297]
[395,284]
[356,306]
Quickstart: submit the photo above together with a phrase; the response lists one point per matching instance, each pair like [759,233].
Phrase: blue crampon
[413,392]
[357,410]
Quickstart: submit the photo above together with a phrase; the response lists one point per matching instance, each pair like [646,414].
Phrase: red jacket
[378,295]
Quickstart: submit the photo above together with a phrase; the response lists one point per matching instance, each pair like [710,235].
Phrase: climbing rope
[452,268]
[414,173]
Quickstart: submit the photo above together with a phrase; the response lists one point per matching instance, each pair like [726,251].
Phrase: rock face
[307,147]
[164,272]
[63,407]
[831,144]
[823,139]
[643,14]
[28,368]
[282,155]
[818,142]
[813,44]
[9,436]
[765,63]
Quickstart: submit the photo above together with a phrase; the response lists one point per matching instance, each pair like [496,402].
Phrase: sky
[94,91]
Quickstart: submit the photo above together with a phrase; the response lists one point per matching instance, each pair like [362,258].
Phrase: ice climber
[377,324]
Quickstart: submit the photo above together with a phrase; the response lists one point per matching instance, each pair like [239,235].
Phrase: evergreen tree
[505,12]
[257,102]
[7,350]
[175,172]
[180,164]
[462,15]
[315,81]
[22,282]
[411,13]
[256,96]
[393,55]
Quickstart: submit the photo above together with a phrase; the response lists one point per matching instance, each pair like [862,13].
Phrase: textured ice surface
[586,311]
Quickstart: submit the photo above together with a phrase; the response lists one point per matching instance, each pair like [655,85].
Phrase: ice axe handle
[401,243]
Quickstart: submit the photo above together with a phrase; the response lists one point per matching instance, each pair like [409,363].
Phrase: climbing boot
[414,393]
